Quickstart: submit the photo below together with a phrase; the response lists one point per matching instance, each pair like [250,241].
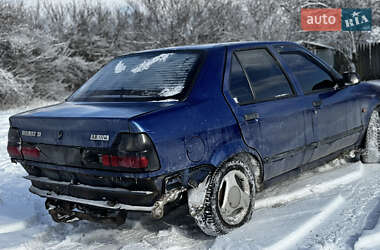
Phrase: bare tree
[54,47]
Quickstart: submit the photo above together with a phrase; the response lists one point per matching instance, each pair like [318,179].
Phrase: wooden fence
[368,61]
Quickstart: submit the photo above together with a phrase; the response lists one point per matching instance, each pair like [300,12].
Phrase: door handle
[251,116]
[317,104]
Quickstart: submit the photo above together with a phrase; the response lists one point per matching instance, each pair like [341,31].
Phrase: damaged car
[210,124]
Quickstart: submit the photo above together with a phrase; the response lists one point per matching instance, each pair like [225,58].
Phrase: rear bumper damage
[74,193]
[106,195]
[63,199]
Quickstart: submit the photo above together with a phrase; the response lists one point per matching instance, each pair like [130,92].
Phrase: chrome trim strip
[47,180]
[103,204]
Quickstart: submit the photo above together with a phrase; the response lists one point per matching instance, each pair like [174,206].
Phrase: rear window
[142,76]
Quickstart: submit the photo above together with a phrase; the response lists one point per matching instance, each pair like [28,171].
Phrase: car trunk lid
[90,125]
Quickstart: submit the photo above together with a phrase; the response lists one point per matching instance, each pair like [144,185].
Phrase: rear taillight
[14,151]
[125,161]
[30,152]
[134,151]
[14,144]
[18,151]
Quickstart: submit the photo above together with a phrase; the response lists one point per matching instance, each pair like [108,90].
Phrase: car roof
[232,45]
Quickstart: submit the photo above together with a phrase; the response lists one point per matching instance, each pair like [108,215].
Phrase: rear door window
[239,85]
[310,76]
[267,79]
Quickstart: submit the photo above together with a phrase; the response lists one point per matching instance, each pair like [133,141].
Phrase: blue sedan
[210,124]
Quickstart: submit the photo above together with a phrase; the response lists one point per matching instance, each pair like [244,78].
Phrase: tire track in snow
[296,236]
[343,229]
[371,241]
[12,227]
[310,190]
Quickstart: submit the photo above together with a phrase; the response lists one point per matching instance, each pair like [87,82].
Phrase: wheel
[371,153]
[229,199]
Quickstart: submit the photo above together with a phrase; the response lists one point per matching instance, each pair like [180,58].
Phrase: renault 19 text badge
[99,137]
[31,133]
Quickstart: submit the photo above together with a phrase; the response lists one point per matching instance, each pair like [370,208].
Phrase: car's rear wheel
[229,199]
[371,152]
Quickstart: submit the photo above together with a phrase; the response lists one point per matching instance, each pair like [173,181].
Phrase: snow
[369,242]
[333,218]
[335,206]
[375,34]
[148,63]
[13,90]
[305,189]
[120,67]
[303,231]
[170,91]
[374,81]
[196,197]
[165,100]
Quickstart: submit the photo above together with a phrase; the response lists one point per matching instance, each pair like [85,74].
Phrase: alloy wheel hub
[234,197]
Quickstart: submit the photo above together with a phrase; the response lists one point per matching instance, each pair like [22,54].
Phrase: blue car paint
[292,123]
[282,119]
[80,120]
[207,128]
[368,95]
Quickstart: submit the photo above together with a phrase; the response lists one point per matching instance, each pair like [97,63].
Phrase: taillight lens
[125,161]
[14,151]
[30,152]
[133,151]
[18,151]
[14,144]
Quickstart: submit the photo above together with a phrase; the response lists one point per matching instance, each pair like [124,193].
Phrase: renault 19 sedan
[207,123]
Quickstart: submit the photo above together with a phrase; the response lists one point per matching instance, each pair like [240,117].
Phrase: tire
[371,152]
[229,199]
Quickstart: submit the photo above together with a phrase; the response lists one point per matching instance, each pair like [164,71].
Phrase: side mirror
[350,78]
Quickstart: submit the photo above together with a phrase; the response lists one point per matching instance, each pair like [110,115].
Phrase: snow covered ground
[335,206]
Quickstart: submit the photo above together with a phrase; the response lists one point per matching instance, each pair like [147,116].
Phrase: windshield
[141,76]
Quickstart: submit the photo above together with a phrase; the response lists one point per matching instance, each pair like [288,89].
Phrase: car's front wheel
[229,199]
[371,152]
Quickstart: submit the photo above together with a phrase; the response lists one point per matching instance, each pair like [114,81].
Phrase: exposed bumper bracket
[170,196]
[102,204]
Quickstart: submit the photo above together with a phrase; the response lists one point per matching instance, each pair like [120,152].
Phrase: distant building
[331,55]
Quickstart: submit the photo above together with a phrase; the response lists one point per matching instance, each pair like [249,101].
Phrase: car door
[268,109]
[334,113]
